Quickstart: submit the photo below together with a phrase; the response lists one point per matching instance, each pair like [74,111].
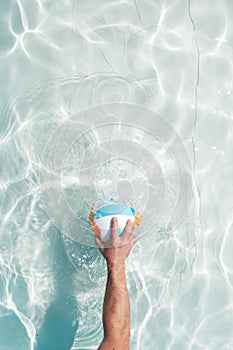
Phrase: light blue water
[60,58]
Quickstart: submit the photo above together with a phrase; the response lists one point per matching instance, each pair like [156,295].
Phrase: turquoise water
[57,60]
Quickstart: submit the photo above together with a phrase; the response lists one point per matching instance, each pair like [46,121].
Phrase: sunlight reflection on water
[58,59]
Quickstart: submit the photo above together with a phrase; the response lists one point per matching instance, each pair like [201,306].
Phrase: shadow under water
[61,320]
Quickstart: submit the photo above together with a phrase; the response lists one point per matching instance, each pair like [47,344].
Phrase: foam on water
[59,58]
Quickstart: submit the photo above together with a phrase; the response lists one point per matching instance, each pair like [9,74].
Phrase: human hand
[117,248]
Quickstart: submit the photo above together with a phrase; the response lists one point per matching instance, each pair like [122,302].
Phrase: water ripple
[58,59]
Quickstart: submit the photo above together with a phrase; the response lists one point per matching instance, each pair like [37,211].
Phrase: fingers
[99,244]
[133,241]
[114,229]
[133,233]
[127,230]
[132,237]
[129,234]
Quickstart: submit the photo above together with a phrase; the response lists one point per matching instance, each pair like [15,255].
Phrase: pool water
[59,61]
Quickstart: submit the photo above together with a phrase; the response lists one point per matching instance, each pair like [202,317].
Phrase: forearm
[116,309]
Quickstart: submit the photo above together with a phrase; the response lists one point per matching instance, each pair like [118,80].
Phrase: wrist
[115,266]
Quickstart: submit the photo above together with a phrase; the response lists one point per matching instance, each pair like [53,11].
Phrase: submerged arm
[116,308]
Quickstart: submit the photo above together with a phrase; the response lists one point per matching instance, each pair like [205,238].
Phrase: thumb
[99,244]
